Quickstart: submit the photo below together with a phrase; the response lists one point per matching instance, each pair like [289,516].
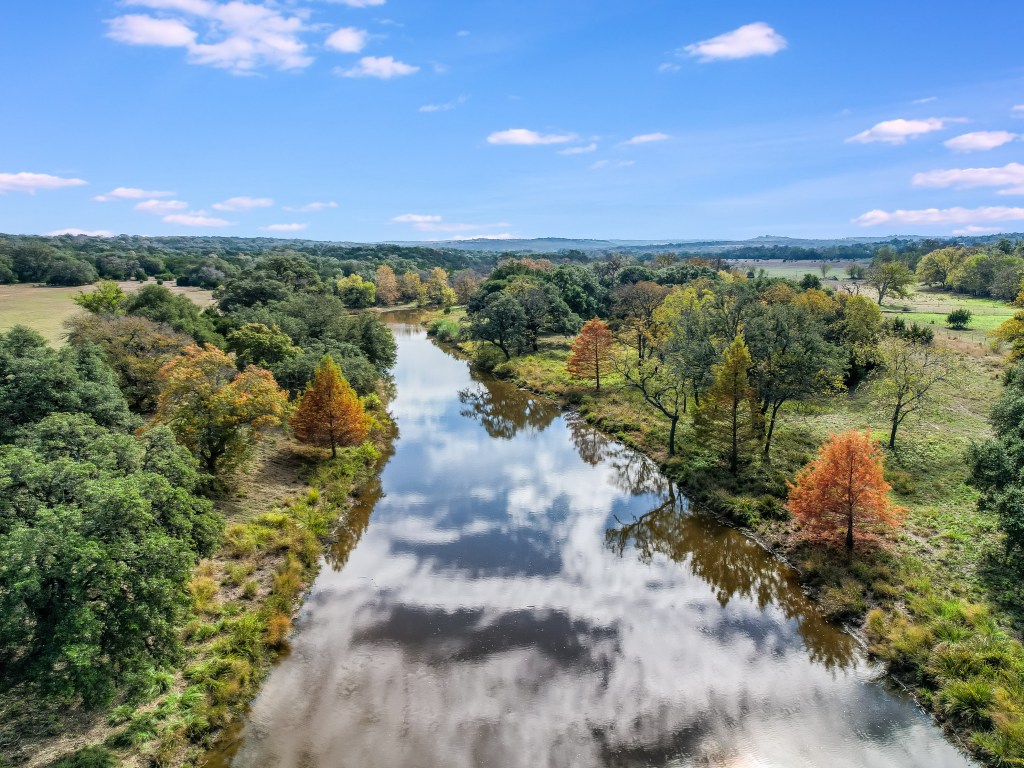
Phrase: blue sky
[397,120]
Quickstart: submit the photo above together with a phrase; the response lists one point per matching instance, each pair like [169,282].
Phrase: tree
[824,268]
[410,286]
[329,412]
[591,350]
[256,344]
[465,283]
[502,322]
[1012,332]
[908,380]
[216,412]
[688,346]
[656,382]
[387,285]
[356,292]
[729,415]
[135,348]
[937,267]
[843,487]
[543,310]
[959,319]
[635,304]
[855,271]
[106,299]
[891,278]
[437,291]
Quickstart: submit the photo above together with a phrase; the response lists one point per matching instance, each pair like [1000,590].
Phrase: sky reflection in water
[530,594]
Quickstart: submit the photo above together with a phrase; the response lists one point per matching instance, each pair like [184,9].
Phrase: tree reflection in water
[733,565]
[503,410]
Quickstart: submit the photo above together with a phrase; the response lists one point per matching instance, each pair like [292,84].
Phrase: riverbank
[937,601]
[283,513]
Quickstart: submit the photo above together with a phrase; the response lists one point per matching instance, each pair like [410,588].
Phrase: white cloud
[359,3]
[898,131]
[137,29]
[83,232]
[1010,177]
[382,67]
[526,137]
[161,207]
[971,229]
[243,203]
[979,141]
[448,105]
[925,100]
[415,218]
[33,182]
[284,227]
[462,33]
[592,147]
[668,66]
[649,138]
[236,35]
[757,39]
[131,193]
[1017,110]
[311,207]
[601,164]
[197,219]
[877,218]
[347,40]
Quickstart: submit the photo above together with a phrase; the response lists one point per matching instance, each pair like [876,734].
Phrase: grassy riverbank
[282,514]
[938,601]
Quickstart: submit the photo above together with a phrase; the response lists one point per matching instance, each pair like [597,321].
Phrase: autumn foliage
[329,411]
[591,350]
[844,488]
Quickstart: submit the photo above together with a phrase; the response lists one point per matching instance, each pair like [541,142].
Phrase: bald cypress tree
[329,412]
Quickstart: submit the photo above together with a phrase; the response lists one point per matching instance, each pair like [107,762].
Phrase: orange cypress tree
[329,411]
[844,487]
[592,348]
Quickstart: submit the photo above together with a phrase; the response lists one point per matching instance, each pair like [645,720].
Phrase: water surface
[521,592]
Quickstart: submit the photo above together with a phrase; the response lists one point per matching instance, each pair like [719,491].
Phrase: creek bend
[521,591]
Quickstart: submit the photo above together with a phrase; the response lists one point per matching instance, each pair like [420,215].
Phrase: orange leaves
[590,351]
[844,488]
[329,411]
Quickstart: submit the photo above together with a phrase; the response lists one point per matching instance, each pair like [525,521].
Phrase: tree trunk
[597,372]
[771,430]
[334,448]
[849,531]
[734,456]
[672,436]
[892,433]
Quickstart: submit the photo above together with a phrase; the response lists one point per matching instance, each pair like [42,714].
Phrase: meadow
[45,308]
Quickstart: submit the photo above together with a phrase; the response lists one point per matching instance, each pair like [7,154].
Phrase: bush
[487,358]
[90,757]
[446,330]
[959,319]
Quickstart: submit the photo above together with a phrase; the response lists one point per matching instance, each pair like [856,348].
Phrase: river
[528,593]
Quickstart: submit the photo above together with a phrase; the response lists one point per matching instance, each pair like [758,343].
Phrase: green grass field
[45,308]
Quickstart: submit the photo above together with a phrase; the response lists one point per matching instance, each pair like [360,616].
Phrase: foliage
[158,304]
[891,278]
[329,412]
[106,298]
[356,292]
[134,347]
[437,292]
[386,285]
[214,410]
[256,344]
[591,349]
[959,319]
[843,488]
[728,417]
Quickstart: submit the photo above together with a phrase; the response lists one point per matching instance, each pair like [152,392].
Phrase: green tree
[437,292]
[891,278]
[502,322]
[256,344]
[106,299]
[729,416]
[356,292]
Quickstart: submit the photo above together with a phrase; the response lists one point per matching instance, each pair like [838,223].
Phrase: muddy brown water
[522,592]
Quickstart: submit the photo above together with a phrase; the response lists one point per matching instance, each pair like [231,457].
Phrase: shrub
[90,757]
[959,319]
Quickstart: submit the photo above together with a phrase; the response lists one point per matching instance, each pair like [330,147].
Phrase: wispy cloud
[31,183]
[668,66]
[197,219]
[603,164]
[311,207]
[131,193]
[238,36]
[526,137]
[973,229]
[81,232]
[757,39]
[161,207]
[648,138]
[1010,177]
[980,141]
[899,130]
[359,3]
[925,100]
[347,40]
[446,106]
[941,216]
[381,67]
[284,227]
[415,218]
[586,149]
[243,203]
[433,223]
